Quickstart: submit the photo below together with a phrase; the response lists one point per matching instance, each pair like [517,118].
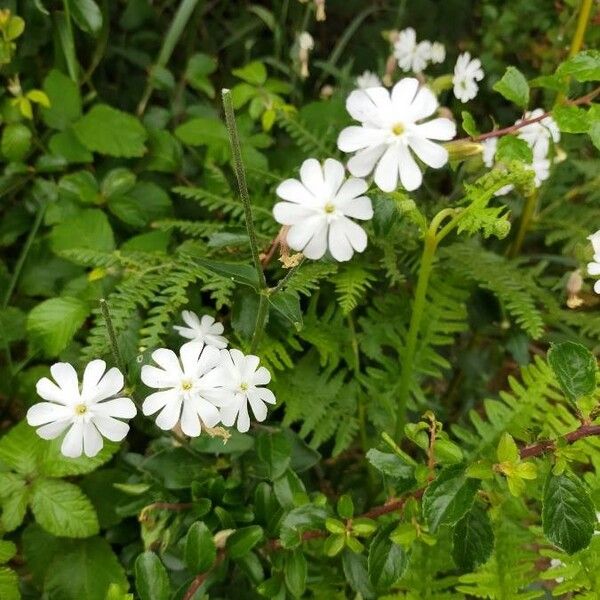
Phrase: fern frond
[301,134]
[351,283]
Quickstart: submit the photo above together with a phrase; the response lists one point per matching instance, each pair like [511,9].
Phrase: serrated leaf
[392,466]
[513,86]
[151,579]
[468,123]
[9,584]
[254,73]
[511,147]
[575,369]
[568,515]
[87,229]
[62,509]
[65,100]
[387,561]
[584,66]
[473,539]
[571,119]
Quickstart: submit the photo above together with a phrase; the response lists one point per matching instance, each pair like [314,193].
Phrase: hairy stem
[261,317]
[112,336]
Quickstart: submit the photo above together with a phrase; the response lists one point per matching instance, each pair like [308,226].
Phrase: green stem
[238,165]
[23,256]
[362,411]
[261,317]
[406,373]
[582,23]
[175,31]
[528,210]
[112,336]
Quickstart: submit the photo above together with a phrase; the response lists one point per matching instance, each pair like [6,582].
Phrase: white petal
[209,413]
[110,385]
[358,208]
[47,412]
[209,359]
[190,423]
[186,332]
[386,173]
[190,354]
[229,412]
[157,378]
[154,402]
[72,445]
[363,162]
[339,246]
[65,375]
[190,318]
[424,104]
[91,377]
[410,174]
[333,173]
[360,106]
[167,360]
[53,430]
[403,93]
[311,175]
[437,129]
[259,408]
[124,408]
[596,289]
[112,429]
[262,376]
[266,395]
[287,213]
[431,154]
[216,341]
[351,188]
[381,98]
[237,356]
[300,234]
[250,365]
[243,419]
[315,249]
[92,440]
[293,191]
[169,415]
[356,138]
[48,390]
[593,268]
[356,234]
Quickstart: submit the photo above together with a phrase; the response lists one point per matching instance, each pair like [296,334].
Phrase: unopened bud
[320,10]
[574,285]
[220,538]
[462,149]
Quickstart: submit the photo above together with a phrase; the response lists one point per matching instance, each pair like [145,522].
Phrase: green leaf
[53,323]
[392,466]
[238,272]
[294,571]
[513,86]
[87,15]
[241,541]
[448,497]
[357,575]
[387,561]
[473,539]
[287,304]
[468,123]
[117,182]
[196,73]
[594,133]
[20,449]
[80,186]
[62,509]
[16,141]
[254,73]
[151,579]
[15,501]
[9,584]
[298,520]
[584,66]
[274,454]
[65,100]
[575,369]
[52,463]
[67,146]
[88,229]
[200,550]
[7,551]
[288,489]
[511,147]
[507,450]
[202,131]
[345,507]
[165,153]
[107,130]
[571,119]
[568,515]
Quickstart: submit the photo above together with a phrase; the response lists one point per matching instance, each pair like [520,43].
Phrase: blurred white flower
[390,129]
[411,56]
[438,53]
[541,169]
[318,209]
[368,79]
[306,41]
[87,411]
[243,379]
[305,44]
[554,563]
[539,134]
[191,388]
[467,72]
[594,266]
[203,330]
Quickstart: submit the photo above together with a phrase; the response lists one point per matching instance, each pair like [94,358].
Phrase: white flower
[541,169]
[538,134]
[203,330]
[390,128]
[318,209]
[438,53]
[555,563]
[306,41]
[466,73]
[87,411]
[411,56]
[243,377]
[367,80]
[489,151]
[594,266]
[191,388]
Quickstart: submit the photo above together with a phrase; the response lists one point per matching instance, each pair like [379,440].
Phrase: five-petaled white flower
[203,330]
[191,388]
[594,266]
[467,72]
[318,209]
[412,56]
[368,79]
[89,412]
[392,127]
[539,134]
[243,379]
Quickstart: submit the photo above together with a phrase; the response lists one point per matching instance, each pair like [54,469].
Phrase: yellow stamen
[244,387]
[186,386]
[329,208]
[398,129]
[80,409]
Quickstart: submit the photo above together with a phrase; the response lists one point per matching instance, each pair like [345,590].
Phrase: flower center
[398,129]
[186,385]
[329,208]
[244,386]
[80,409]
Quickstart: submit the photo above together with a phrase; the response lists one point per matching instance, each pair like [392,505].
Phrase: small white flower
[594,266]
[489,151]
[554,563]
[539,134]
[87,411]
[203,330]
[191,388]
[243,378]
[391,130]
[368,80]
[306,41]
[438,53]
[318,209]
[411,56]
[541,169]
[466,73]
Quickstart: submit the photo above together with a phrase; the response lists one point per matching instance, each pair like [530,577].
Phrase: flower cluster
[415,56]
[205,385]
